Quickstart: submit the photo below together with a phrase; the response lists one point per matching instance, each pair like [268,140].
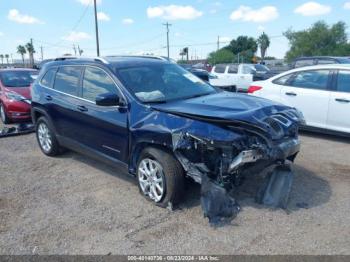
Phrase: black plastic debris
[19,129]
[276,188]
[218,206]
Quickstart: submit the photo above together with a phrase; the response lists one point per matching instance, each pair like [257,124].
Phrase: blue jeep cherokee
[163,124]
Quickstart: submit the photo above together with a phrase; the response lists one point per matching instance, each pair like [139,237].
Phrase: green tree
[320,39]
[30,49]
[223,55]
[2,59]
[243,46]
[7,58]
[21,50]
[264,43]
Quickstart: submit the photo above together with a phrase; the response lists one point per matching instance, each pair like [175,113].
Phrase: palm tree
[21,50]
[7,58]
[2,59]
[31,51]
[264,43]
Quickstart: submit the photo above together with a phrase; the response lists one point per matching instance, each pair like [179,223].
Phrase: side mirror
[109,99]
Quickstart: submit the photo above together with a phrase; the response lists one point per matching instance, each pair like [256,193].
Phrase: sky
[136,26]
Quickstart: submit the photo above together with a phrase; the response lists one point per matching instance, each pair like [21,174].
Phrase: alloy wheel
[151,179]
[44,136]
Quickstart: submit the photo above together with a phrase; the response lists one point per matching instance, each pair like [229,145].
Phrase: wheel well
[36,115]
[136,152]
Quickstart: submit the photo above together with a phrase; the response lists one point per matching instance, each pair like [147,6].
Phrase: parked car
[321,92]
[15,94]
[239,76]
[160,122]
[319,60]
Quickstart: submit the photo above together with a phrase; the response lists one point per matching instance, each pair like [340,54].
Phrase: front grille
[275,127]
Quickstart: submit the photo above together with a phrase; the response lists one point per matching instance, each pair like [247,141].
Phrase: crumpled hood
[225,106]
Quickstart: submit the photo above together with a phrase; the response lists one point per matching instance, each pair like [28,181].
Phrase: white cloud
[174,12]
[16,16]
[1,34]
[76,36]
[127,21]
[312,9]
[89,2]
[246,13]
[261,28]
[103,16]
[347,5]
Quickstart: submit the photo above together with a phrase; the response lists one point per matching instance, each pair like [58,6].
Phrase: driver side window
[96,82]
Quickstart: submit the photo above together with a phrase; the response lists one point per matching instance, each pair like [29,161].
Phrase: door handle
[342,100]
[291,94]
[82,108]
[48,97]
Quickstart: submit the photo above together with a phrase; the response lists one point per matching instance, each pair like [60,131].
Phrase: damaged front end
[220,163]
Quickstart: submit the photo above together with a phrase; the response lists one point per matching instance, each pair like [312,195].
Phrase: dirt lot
[75,205]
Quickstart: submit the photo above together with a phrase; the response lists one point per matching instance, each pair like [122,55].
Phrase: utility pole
[218,44]
[167,36]
[96,31]
[42,53]
[31,54]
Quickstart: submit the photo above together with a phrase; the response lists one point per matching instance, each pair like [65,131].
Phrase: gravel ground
[75,205]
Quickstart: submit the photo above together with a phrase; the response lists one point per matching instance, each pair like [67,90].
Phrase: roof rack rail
[62,58]
[101,59]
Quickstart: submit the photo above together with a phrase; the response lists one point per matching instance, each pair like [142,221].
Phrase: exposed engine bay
[221,166]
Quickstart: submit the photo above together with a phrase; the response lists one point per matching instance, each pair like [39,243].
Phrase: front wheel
[4,117]
[160,177]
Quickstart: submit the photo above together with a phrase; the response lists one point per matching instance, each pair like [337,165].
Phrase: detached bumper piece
[20,129]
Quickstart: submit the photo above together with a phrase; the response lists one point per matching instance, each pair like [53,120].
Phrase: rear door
[309,92]
[104,127]
[62,101]
[339,104]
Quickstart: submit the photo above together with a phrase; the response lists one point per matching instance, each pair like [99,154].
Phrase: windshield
[162,82]
[261,68]
[18,78]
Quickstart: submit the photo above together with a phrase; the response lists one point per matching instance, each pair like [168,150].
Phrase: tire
[45,131]
[4,118]
[172,175]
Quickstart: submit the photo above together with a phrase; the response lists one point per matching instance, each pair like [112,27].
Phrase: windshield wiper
[156,102]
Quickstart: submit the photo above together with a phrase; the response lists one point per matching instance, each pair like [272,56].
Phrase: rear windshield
[18,78]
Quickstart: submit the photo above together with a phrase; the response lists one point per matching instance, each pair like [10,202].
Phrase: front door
[309,92]
[104,128]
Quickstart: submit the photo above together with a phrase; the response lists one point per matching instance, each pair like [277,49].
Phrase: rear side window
[313,79]
[326,61]
[48,78]
[343,83]
[304,62]
[220,69]
[67,79]
[233,69]
[96,82]
[282,80]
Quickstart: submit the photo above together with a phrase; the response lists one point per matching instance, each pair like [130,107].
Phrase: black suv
[160,122]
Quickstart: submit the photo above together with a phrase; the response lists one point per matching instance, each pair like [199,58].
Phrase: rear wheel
[4,117]
[46,138]
[160,177]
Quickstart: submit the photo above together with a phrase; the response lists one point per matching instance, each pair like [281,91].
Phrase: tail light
[253,89]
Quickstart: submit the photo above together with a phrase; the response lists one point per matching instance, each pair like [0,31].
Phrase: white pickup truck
[238,77]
